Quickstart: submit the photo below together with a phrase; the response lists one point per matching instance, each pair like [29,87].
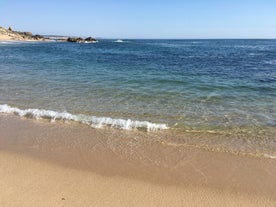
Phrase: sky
[162,19]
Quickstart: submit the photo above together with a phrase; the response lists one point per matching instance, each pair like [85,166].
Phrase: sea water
[188,85]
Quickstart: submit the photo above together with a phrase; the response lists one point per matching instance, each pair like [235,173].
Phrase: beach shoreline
[68,163]
[10,35]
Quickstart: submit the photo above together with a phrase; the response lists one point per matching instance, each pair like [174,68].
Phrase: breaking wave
[119,41]
[93,121]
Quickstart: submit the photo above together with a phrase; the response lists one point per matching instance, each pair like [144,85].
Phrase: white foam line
[96,122]
[270,156]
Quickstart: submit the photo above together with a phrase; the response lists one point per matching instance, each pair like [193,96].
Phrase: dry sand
[5,37]
[65,164]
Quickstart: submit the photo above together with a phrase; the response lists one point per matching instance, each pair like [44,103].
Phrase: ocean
[224,89]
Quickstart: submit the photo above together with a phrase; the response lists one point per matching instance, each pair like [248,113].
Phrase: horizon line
[169,38]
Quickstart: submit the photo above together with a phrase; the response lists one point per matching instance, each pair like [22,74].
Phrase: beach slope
[57,164]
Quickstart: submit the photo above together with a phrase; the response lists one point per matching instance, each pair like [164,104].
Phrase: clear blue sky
[143,18]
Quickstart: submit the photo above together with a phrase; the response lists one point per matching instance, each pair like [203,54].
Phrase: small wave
[270,156]
[8,42]
[172,45]
[91,42]
[271,62]
[96,122]
[254,54]
[17,42]
[119,41]
[250,46]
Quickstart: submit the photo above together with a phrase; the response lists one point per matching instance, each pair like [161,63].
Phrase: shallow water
[191,85]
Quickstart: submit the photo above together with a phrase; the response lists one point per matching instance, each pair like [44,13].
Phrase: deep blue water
[182,83]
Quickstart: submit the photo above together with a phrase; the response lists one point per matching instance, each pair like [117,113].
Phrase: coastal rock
[81,40]
[28,33]
[38,37]
[10,34]
[90,39]
[23,34]
[75,39]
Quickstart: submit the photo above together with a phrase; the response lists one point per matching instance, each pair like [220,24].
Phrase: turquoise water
[189,84]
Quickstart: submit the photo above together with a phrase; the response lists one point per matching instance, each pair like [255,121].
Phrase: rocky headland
[10,34]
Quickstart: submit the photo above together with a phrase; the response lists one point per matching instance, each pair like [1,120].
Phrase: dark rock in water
[73,39]
[70,39]
[81,40]
[37,37]
[90,39]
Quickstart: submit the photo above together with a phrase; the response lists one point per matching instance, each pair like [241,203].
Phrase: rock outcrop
[81,40]
[90,39]
[75,39]
[9,34]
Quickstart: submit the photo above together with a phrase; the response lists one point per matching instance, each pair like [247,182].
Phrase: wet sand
[67,164]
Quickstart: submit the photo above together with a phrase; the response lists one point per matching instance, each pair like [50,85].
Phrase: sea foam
[119,41]
[93,121]
[270,156]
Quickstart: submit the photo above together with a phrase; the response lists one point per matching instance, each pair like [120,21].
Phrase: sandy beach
[137,104]
[65,164]
[4,37]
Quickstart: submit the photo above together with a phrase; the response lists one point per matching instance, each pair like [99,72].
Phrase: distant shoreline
[11,35]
